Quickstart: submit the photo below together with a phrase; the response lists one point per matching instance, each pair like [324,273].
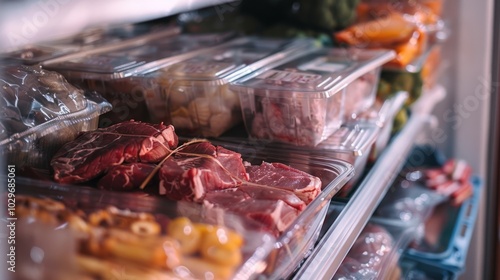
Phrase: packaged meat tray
[90,39]
[448,232]
[352,142]
[304,100]
[383,114]
[116,236]
[41,112]
[115,72]
[296,241]
[376,252]
[194,94]
[285,195]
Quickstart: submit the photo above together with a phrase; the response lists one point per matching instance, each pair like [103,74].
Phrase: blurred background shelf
[331,250]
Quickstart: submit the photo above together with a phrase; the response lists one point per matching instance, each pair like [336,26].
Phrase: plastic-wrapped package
[303,101]
[89,39]
[142,238]
[41,111]
[194,94]
[409,201]
[114,71]
[375,254]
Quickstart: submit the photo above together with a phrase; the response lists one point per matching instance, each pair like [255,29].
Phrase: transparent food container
[304,100]
[89,39]
[382,114]
[116,236]
[351,143]
[448,233]
[296,242]
[115,72]
[376,252]
[41,112]
[194,94]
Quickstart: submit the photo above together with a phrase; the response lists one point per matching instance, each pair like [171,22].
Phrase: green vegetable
[400,120]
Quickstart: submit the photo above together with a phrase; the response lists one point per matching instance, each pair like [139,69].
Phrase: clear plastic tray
[415,270]
[296,242]
[194,94]
[42,111]
[91,38]
[303,100]
[352,143]
[114,72]
[376,252]
[36,146]
[448,233]
[156,220]
[382,114]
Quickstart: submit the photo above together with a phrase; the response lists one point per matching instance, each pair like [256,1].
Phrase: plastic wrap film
[31,96]
[41,112]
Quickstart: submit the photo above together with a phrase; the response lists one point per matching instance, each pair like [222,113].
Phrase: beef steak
[198,169]
[126,177]
[94,152]
[278,175]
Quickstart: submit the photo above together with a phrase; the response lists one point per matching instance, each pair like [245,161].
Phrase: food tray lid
[377,263]
[316,73]
[235,59]
[95,106]
[92,38]
[137,57]
[382,112]
[353,138]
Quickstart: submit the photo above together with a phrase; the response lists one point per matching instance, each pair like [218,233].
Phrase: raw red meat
[274,215]
[278,175]
[198,169]
[126,176]
[93,153]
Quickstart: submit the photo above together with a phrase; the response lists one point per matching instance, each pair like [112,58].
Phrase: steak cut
[200,168]
[94,153]
[126,177]
[274,215]
[278,175]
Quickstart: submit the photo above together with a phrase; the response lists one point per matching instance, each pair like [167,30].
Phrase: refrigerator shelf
[331,250]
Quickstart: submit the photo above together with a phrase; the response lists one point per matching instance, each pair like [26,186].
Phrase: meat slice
[305,186]
[95,152]
[274,215]
[126,177]
[200,168]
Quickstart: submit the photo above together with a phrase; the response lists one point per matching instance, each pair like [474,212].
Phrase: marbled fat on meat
[200,168]
[278,175]
[126,177]
[94,153]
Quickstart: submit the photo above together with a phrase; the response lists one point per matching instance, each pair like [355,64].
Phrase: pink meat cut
[200,168]
[278,175]
[95,152]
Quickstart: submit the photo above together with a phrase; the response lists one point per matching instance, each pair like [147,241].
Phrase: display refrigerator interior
[220,139]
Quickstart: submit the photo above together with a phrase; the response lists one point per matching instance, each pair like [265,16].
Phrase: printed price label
[280,77]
